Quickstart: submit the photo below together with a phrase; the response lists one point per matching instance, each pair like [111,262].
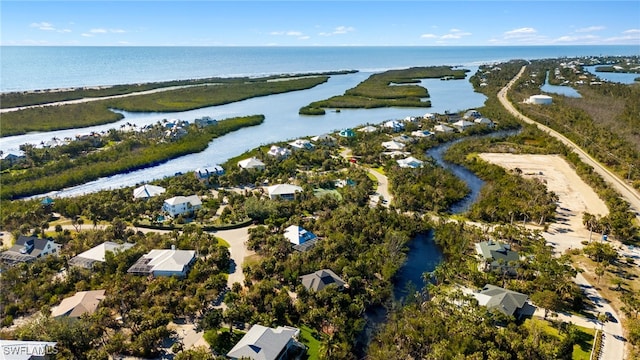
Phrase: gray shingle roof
[320,279]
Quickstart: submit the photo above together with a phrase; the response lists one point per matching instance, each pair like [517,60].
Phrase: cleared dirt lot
[575,196]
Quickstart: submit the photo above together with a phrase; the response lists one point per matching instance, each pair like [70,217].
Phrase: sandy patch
[575,196]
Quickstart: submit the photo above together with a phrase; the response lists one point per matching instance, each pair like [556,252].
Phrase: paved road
[613,341]
[624,189]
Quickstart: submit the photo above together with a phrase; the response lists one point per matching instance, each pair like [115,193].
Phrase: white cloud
[428,36]
[631,31]
[526,31]
[576,39]
[590,29]
[340,30]
[87,35]
[117,31]
[305,37]
[43,26]
[98,31]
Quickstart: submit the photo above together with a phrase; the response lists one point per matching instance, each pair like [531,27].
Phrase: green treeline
[97,112]
[386,89]
[603,121]
[131,153]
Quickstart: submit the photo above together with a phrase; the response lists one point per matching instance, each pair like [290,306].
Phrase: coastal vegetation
[603,121]
[49,169]
[390,88]
[365,243]
[39,97]
[71,116]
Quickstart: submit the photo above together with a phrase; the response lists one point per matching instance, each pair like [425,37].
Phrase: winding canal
[423,255]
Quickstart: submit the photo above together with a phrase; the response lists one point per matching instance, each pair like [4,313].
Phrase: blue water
[567,91]
[623,78]
[34,67]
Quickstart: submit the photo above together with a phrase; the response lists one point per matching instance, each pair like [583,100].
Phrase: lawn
[322,192]
[584,341]
[307,337]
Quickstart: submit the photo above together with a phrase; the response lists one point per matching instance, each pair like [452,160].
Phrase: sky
[319,23]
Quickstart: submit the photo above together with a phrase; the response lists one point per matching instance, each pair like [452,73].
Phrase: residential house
[278,152]
[264,343]
[429,116]
[301,238]
[421,133]
[321,279]
[325,139]
[393,145]
[97,254]
[404,139]
[443,128]
[164,262]
[179,205]
[471,115]
[484,121]
[497,256]
[251,163]
[27,249]
[394,125]
[410,162]
[347,133]
[83,302]
[510,303]
[462,125]
[283,191]
[301,144]
[411,119]
[13,157]
[205,121]
[204,174]
[368,129]
[146,191]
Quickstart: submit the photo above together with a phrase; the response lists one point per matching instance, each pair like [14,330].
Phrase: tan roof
[83,302]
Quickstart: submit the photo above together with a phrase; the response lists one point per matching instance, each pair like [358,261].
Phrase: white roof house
[178,205]
[164,262]
[422,133]
[97,254]
[302,144]
[429,116]
[393,145]
[207,172]
[324,138]
[82,302]
[263,343]
[463,124]
[394,124]
[484,121]
[410,162]
[283,191]
[277,151]
[146,191]
[301,238]
[472,114]
[251,163]
[443,128]
[368,129]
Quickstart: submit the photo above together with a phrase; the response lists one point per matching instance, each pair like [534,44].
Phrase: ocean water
[33,67]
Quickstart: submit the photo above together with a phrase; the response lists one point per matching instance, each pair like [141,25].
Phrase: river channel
[423,254]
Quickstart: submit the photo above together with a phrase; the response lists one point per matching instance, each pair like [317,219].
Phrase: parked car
[610,317]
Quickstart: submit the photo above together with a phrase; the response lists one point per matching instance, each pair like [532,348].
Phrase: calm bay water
[30,68]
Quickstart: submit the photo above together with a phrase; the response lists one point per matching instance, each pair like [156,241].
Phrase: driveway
[237,238]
